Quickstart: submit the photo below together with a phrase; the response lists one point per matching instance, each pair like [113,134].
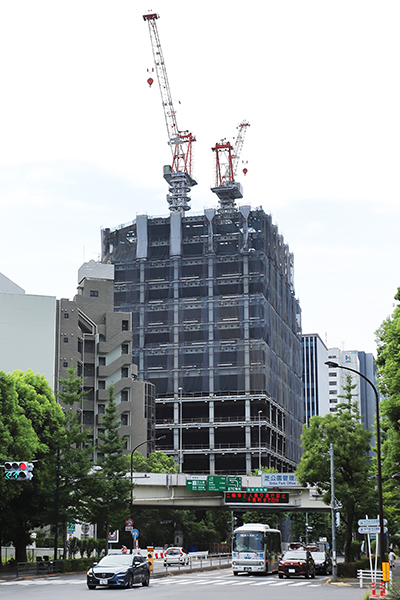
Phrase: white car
[175,556]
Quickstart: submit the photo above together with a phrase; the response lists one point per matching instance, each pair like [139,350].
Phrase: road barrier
[369,577]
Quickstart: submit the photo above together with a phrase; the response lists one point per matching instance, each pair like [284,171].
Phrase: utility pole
[333,515]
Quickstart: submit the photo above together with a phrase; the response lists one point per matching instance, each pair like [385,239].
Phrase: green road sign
[216,483]
[197,483]
[233,484]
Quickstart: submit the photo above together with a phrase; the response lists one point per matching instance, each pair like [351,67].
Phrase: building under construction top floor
[217,329]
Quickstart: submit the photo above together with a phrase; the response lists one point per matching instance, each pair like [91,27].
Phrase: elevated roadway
[171,491]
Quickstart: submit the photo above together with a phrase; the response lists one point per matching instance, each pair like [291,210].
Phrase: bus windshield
[248,541]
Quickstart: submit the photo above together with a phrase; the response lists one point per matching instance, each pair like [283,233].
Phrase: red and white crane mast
[179,174]
[226,163]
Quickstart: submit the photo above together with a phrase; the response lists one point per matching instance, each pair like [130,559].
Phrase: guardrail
[49,567]
[368,576]
[201,560]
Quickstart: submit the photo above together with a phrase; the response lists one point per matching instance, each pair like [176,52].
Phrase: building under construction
[217,329]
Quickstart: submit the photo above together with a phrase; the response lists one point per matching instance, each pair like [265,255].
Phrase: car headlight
[90,572]
[123,572]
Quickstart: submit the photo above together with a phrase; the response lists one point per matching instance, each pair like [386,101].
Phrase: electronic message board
[256,498]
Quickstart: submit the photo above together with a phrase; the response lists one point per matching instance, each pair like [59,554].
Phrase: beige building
[98,342]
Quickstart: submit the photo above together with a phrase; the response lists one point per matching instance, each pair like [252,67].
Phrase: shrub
[350,569]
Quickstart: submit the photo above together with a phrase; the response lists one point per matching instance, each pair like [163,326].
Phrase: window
[125,325]
[124,349]
[333,391]
[65,340]
[124,419]
[65,365]
[94,293]
[102,409]
[124,372]
[125,396]
[66,316]
[102,361]
[333,383]
[102,385]
[332,374]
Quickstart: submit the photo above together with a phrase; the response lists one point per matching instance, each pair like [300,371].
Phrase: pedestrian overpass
[181,490]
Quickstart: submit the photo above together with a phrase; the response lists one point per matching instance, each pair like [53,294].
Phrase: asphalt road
[219,584]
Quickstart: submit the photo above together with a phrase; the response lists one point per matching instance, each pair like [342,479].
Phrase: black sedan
[296,562]
[119,570]
[323,563]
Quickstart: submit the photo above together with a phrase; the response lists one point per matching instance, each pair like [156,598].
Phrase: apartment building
[98,342]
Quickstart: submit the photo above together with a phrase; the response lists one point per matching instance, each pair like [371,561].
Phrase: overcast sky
[83,139]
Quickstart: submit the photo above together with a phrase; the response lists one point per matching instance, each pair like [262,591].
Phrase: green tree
[30,507]
[76,448]
[110,503]
[388,364]
[18,441]
[352,474]
[156,462]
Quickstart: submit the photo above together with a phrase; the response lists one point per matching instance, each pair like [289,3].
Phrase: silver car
[175,556]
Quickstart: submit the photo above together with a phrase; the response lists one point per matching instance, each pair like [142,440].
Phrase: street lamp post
[162,437]
[180,431]
[382,541]
[259,441]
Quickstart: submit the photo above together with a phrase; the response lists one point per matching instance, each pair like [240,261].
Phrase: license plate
[103,582]
[292,570]
[247,568]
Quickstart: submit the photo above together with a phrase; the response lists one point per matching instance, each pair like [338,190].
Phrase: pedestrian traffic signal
[21,471]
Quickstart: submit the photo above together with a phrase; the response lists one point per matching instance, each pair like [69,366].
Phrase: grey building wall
[98,342]
[216,328]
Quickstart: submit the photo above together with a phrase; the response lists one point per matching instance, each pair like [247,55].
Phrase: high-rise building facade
[98,343]
[315,377]
[324,386]
[217,329]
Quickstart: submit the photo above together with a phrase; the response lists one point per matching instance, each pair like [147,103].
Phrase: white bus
[256,549]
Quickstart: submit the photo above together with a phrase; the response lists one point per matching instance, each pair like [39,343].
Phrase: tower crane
[226,162]
[179,173]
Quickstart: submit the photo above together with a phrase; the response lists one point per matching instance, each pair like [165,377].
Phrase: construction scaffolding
[217,329]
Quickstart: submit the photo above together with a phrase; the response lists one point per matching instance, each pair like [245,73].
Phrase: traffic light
[150,551]
[21,471]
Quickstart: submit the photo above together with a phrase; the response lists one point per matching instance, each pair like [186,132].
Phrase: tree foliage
[75,454]
[29,408]
[110,503]
[388,363]
[156,462]
[351,444]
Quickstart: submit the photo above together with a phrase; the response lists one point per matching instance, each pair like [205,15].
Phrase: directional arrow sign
[370,522]
[371,530]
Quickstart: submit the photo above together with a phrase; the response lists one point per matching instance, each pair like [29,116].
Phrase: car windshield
[251,541]
[297,555]
[318,555]
[115,559]
[174,551]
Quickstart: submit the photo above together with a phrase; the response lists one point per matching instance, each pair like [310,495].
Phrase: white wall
[27,334]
